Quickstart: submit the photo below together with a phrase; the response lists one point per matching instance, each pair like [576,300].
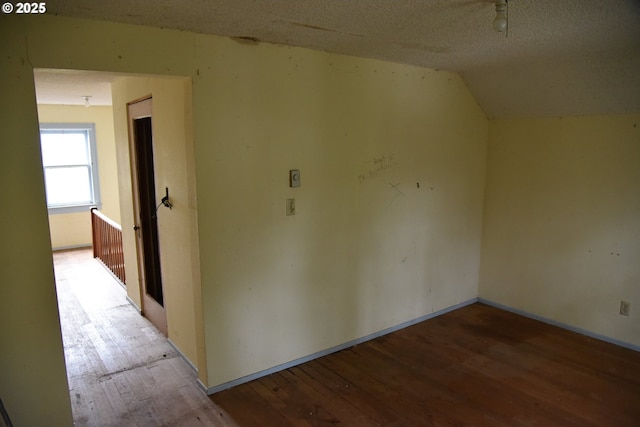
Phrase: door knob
[136,227]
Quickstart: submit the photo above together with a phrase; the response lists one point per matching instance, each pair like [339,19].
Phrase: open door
[144,205]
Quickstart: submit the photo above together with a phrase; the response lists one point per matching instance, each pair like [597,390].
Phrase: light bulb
[500,23]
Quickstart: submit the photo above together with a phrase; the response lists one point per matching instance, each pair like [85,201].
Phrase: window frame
[90,130]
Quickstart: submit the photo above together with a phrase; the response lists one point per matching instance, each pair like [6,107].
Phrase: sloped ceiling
[561,57]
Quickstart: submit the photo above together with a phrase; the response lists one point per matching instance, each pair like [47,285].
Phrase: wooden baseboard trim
[566,326]
[264,373]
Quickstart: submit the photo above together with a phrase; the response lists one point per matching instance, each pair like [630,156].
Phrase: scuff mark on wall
[398,193]
[376,166]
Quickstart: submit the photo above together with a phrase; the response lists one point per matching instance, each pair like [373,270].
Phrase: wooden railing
[107,243]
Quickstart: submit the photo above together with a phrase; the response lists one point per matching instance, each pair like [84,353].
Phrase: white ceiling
[69,87]
[561,57]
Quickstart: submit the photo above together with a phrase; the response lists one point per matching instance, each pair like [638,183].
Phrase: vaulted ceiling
[559,58]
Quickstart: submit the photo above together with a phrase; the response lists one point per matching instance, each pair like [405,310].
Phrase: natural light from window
[68,157]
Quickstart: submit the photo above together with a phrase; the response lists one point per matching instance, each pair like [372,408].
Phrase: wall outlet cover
[625,308]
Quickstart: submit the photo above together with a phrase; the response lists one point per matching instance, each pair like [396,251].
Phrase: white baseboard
[301,360]
[561,325]
[133,303]
[182,355]
[171,343]
[203,387]
[71,247]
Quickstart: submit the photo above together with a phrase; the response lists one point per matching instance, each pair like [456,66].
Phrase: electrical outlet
[291,207]
[625,308]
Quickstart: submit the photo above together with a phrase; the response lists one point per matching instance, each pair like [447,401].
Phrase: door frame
[152,310]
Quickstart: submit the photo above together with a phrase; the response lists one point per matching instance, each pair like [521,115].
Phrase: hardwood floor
[477,366]
[121,370]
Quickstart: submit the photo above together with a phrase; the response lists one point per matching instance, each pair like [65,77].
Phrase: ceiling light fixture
[87,104]
[501,23]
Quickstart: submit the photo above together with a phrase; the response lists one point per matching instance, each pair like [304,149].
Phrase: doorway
[173,160]
[145,217]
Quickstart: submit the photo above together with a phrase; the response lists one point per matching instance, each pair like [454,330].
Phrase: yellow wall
[562,221]
[69,230]
[33,382]
[389,215]
[359,256]
[177,228]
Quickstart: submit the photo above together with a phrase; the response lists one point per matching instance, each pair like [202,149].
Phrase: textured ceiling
[69,87]
[561,57]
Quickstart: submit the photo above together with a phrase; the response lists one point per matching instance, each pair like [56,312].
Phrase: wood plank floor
[121,370]
[477,366]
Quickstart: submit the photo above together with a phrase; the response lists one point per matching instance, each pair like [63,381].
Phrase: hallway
[121,370]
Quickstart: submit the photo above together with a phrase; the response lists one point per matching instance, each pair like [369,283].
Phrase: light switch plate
[294,178]
[291,207]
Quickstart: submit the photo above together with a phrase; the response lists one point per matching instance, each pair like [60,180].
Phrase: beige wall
[562,221]
[389,214]
[33,382]
[70,230]
[177,228]
[359,256]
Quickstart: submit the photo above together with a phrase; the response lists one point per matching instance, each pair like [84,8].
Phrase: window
[70,166]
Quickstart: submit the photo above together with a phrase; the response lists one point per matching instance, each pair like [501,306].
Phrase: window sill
[72,209]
